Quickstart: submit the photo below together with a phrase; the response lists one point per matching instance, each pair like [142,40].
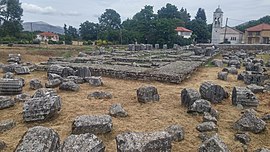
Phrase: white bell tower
[217,25]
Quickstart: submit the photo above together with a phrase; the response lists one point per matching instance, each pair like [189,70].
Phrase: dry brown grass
[142,117]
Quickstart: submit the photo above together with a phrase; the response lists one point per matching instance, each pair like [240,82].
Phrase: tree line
[144,27]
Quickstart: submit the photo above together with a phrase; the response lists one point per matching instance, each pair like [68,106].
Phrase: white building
[181,31]
[46,36]
[224,34]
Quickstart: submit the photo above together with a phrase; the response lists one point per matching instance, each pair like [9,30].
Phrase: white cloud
[48,10]
[32,8]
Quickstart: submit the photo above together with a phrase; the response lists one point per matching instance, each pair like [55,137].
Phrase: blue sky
[60,12]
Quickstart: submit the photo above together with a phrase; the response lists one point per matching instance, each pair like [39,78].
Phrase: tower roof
[218,10]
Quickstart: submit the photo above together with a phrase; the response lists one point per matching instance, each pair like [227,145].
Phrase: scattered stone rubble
[223,76]
[11,86]
[83,143]
[6,102]
[189,96]
[116,110]
[134,141]
[243,138]
[35,84]
[147,94]
[7,125]
[44,105]
[213,92]
[39,139]
[69,86]
[92,124]
[177,132]
[213,144]
[141,62]
[244,97]
[250,122]
[200,106]
[99,95]
[95,81]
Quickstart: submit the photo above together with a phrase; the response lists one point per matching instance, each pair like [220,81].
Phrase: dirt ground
[142,117]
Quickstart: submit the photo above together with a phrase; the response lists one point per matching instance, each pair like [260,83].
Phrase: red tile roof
[48,34]
[259,27]
[182,29]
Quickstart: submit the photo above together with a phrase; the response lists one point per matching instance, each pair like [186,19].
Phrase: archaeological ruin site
[136,98]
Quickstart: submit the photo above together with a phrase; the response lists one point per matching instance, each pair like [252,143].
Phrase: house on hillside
[181,31]
[259,34]
[46,36]
[222,34]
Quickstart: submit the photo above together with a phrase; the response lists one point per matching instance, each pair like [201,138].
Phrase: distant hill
[42,26]
[242,27]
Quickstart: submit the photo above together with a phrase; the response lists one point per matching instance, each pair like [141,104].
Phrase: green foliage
[109,26]
[242,27]
[87,42]
[110,19]
[170,11]
[103,43]
[67,54]
[10,17]
[200,15]
[70,34]
[89,31]
[200,30]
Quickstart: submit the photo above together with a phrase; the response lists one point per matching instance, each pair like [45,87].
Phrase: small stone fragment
[243,138]
[95,81]
[99,95]
[22,97]
[35,84]
[207,126]
[189,96]
[6,102]
[7,125]
[214,144]
[92,124]
[200,106]
[53,83]
[250,122]
[147,94]
[116,110]
[69,86]
[177,132]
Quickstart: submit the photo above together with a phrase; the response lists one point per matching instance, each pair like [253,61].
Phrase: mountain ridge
[42,26]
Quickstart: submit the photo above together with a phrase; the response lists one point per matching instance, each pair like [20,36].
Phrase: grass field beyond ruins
[142,117]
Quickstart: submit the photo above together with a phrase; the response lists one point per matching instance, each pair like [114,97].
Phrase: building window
[233,38]
[249,33]
[257,33]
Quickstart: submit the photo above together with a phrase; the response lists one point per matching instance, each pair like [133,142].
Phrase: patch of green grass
[265,57]
[67,54]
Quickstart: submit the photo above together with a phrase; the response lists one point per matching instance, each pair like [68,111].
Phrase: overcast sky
[74,12]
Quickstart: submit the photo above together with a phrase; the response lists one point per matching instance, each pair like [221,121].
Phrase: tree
[201,15]
[72,31]
[184,15]
[10,17]
[200,30]
[89,31]
[68,38]
[110,19]
[170,11]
